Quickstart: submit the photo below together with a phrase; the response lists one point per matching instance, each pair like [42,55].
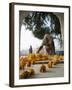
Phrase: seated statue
[48,43]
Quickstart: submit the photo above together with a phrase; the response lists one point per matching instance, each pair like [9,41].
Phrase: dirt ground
[56,71]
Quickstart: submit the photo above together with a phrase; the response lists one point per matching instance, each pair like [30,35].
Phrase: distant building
[30,49]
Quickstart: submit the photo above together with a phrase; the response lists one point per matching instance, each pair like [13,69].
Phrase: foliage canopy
[41,23]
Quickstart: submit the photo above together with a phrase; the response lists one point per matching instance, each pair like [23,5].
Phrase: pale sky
[27,39]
